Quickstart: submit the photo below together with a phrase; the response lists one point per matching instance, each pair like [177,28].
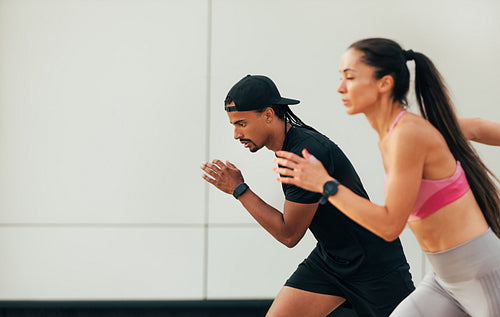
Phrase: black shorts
[376,296]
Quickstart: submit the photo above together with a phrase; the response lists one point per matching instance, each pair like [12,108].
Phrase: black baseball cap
[254,92]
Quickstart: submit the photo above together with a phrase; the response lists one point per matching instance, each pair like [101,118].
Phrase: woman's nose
[341,87]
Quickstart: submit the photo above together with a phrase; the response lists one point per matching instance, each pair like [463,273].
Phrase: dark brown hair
[388,58]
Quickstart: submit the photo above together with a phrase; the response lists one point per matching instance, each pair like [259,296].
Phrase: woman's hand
[306,172]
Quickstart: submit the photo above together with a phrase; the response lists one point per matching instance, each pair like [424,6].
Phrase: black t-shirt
[347,248]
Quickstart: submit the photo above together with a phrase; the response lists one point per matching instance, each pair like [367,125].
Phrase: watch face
[330,188]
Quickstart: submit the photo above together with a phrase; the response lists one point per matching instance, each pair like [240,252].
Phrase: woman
[435,181]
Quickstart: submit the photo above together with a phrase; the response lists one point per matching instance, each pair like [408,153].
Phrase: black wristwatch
[329,189]
[239,190]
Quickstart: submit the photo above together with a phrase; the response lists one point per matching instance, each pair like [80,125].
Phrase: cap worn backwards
[254,92]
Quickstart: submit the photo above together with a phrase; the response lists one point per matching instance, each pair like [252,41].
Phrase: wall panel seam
[207,146]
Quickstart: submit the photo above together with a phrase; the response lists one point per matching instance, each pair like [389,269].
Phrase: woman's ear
[386,83]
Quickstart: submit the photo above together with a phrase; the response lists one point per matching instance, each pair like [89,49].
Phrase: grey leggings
[465,282]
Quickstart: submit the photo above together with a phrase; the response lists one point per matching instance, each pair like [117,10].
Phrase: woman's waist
[450,226]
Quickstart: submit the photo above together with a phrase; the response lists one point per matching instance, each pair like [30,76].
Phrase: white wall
[107,109]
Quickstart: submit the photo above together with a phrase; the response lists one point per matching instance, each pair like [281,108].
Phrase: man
[349,265]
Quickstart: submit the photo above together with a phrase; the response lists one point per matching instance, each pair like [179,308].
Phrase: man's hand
[223,176]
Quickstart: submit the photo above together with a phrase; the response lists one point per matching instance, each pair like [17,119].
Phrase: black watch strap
[239,190]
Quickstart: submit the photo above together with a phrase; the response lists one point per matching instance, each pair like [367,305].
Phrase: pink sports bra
[435,194]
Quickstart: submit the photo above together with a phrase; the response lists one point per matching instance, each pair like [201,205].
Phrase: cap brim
[281,102]
[287,101]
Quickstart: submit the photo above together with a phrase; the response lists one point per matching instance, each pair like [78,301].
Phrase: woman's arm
[480,130]
[407,159]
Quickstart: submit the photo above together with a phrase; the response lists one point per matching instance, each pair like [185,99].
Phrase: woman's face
[358,85]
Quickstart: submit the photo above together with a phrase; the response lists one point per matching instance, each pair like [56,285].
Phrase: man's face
[249,128]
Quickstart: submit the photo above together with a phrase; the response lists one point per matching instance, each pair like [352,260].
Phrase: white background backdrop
[108,107]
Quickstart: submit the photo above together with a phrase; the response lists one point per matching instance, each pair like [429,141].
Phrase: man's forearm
[268,217]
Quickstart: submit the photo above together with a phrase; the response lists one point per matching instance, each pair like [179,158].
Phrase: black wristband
[239,190]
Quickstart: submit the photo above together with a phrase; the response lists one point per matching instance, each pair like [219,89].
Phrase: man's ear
[269,114]
[386,83]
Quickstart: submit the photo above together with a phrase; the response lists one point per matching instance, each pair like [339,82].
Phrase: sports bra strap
[396,120]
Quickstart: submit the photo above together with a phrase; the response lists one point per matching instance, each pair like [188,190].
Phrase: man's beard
[253,149]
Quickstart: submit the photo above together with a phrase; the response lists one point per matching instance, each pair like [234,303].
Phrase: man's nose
[237,134]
